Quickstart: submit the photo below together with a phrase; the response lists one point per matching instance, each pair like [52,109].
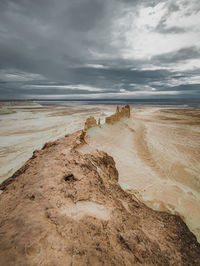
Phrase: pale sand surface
[157,154]
[29,127]
[157,151]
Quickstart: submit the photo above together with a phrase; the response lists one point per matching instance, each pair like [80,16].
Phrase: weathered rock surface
[90,122]
[66,208]
[120,113]
[99,122]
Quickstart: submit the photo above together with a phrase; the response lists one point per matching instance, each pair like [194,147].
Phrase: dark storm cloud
[59,42]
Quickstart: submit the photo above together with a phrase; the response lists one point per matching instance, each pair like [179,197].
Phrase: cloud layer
[58,49]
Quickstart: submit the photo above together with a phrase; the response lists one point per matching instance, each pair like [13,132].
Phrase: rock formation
[99,122]
[67,208]
[124,112]
[90,122]
[120,113]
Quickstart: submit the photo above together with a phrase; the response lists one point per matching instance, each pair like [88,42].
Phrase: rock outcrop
[90,122]
[67,208]
[99,122]
[120,113]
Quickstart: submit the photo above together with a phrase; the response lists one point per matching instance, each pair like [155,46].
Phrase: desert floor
[157,150]
[27,128]
[157,154]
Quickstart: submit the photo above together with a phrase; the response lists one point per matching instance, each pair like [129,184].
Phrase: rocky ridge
[64,207]
[120,113]
[91,122]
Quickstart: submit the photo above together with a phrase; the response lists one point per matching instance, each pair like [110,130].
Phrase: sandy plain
[26,127]
[157,150]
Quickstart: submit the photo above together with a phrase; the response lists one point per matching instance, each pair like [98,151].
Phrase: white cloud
[149,93]
[64,87]
[121,95]
[177,81]
[19,76]
[182,19]
[141,38]
[98,66]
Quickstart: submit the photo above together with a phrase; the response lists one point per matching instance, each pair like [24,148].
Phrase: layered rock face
[90,122]
[67,208]
[120,113]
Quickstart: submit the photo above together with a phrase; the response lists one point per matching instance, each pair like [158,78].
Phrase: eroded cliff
[90,122]
[67,208]
[120,113]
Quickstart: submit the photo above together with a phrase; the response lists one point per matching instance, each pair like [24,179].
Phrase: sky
[99,49]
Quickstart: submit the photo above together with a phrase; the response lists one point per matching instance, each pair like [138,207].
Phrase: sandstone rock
[90,122]
[67,208]
[120,113]
[124,112]
[99,122]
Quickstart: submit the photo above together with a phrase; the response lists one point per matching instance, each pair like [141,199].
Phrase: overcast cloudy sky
[62,49]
